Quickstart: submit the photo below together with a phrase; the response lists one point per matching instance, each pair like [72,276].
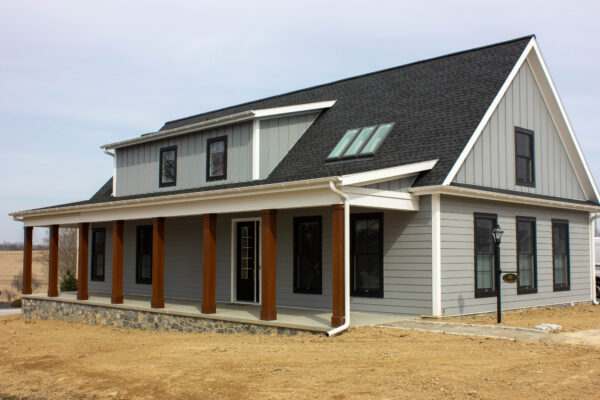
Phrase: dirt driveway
[57,360]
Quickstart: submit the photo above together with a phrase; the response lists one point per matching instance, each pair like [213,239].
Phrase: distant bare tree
[67,252]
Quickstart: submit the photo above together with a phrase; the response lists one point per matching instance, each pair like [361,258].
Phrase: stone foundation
[139,319]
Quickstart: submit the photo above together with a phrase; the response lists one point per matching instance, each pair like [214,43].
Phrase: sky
[76,75]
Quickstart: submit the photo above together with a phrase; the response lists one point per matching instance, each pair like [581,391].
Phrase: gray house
[377,194]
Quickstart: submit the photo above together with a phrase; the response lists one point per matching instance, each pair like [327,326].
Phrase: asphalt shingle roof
[436,105]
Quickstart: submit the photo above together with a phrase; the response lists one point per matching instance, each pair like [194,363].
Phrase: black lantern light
[497,232]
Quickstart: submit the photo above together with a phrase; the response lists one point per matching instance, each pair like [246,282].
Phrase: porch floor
[287,317]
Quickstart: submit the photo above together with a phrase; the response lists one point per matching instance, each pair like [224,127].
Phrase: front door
[247,260]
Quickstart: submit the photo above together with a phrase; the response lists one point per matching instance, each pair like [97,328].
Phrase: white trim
[495,196]
[488,114]
[233,293]
[226,120]
[380,175]
[255,149]
[386,199]
[436,256]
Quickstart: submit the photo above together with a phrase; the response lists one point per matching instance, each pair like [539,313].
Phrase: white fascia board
[385,199]
[226,120]
[488,114]
[504,197]
[385,174]
[578,160]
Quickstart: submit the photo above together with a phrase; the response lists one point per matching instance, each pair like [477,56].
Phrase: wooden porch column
[337,261]
[82,268]
[209,264]
[158,263]
[268,311]
[53,263]
[27,258]
[117,263]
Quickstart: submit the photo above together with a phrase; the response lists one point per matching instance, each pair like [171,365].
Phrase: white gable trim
[488,114]
[380,175]
[533,55]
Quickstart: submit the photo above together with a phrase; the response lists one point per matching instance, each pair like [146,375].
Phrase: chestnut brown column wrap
[53,263]
[117,263]
[268,311]
[337,264]
[27,259]
[158,263]
[209,262]
[82,270]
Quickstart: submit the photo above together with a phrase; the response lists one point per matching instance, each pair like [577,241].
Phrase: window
[168,167]
[307,255]
[143,260]
[360,142]
[485,253]
[98,241]
[524,164]
[216,160]
[526,255]
[366,261]
[560,255]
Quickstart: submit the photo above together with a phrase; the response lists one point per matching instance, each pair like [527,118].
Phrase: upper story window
[524,160]
[216,158]
[168,167]
[360,142]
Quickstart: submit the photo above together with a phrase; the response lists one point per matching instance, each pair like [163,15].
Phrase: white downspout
[113,155]
[593,219]
[346,200]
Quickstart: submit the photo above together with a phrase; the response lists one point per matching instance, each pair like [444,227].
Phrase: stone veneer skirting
[140,319]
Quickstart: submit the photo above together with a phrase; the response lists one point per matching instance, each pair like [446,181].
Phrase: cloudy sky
[75,75]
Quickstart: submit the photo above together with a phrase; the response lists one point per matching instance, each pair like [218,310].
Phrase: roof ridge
[354,77]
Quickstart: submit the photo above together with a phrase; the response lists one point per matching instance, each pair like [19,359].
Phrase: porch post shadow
[158,263]
[209,264]
[337,261]
[82,269]
[117,263]
[53,263]
[27,259]
[268,311]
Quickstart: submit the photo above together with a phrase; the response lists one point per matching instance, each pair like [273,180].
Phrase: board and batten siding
[278,136]
[491,162]
[458,265]
[137,166]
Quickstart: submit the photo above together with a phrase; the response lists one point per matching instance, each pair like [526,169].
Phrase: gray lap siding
[457,255]
[406,251]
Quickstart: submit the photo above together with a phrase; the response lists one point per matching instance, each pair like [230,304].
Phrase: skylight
[360,142]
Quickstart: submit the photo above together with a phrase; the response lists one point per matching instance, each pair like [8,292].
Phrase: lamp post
[497,233]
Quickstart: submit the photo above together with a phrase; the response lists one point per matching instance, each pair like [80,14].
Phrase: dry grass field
[60,360]
[11,264]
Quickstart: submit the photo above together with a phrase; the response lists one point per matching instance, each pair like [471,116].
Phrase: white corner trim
[436,256]
[380,175]
[255,149]
[226,120]
[567,122]
[488,114]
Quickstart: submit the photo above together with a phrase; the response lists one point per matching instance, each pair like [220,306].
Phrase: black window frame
[533,288]
[353,218]
[297,222]
[138,261]
[210,141]
[567,286]
[481,293]
[160,167]
[531,135]
[94,276]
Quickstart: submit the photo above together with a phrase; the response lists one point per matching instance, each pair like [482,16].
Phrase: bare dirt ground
[11,264]
[57,360]
[572,319]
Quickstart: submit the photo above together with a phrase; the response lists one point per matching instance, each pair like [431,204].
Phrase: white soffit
[226,120]
[385,174]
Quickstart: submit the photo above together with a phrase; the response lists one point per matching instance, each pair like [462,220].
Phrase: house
[377,193]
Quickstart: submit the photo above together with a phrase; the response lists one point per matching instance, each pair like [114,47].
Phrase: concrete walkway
[453,328]
[9,311]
